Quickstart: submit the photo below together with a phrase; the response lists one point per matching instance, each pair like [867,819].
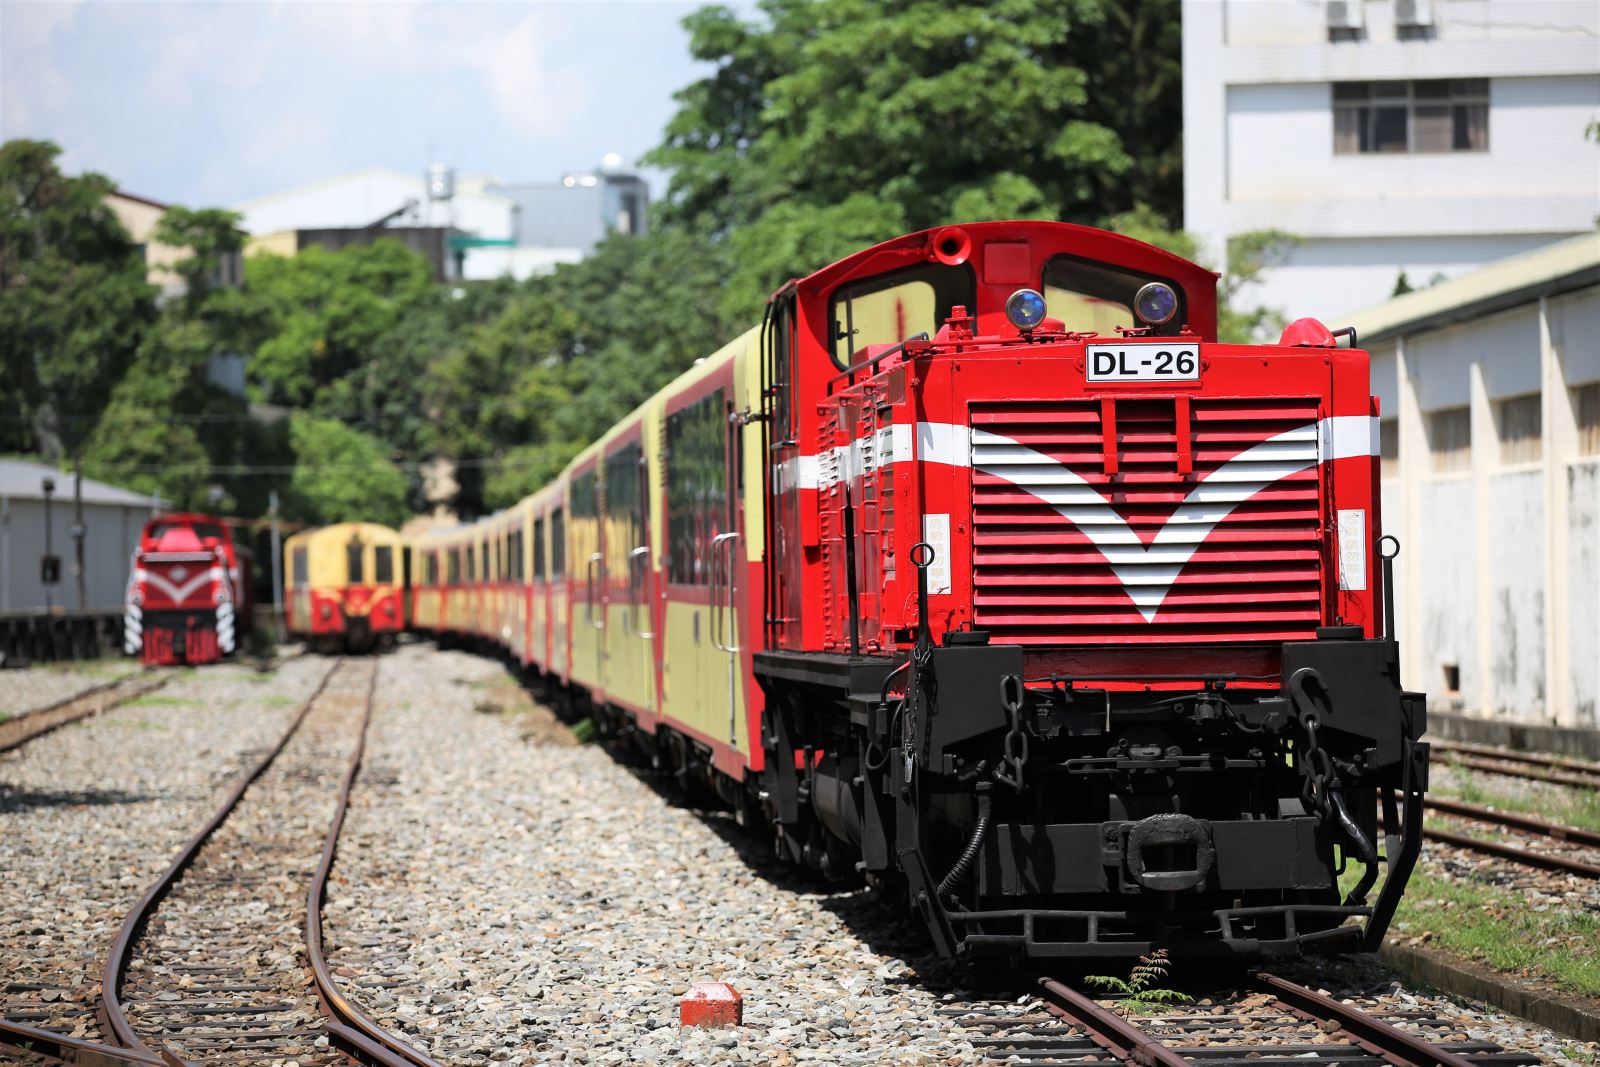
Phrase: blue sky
[207,102]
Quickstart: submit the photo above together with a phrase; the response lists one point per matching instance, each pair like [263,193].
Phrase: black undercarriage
[1045,816]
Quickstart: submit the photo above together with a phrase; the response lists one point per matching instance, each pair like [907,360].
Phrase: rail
[111,1008]
[95,700]
[1218,1040]
[357,1034]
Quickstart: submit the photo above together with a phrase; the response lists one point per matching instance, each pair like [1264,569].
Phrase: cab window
[352,561]
[383,564]
[891,307]
[1091,297]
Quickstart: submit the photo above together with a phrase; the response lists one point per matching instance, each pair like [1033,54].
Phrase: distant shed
[111,520]
[1490,436]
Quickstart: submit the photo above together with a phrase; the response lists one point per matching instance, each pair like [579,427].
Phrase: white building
[1489,388]
[376,197]
[1424,136]
[491,228]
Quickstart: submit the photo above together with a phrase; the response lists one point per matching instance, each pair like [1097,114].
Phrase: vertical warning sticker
[936,531]
[1353,549]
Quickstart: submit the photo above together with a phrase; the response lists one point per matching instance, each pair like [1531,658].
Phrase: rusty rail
[14,733]
[1372,1034]
[357,1034]
[1532,759]
[111,1012]
[31,1039]
[1117,1036]
[1513,819]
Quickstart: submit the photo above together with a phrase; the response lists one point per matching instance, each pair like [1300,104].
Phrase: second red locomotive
[189,597]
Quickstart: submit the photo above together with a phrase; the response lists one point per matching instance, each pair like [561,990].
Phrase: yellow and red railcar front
[345,585]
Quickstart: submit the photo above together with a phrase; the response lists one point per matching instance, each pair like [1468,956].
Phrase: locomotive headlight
[1155,303]
[1025,308]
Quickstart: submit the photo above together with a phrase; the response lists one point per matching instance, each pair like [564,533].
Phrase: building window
[1519,425]
[1437,115]
[1452,679]
[1388,448]
[1586,404]
[1450,439]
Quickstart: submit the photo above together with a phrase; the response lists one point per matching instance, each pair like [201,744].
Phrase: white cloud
[204,101]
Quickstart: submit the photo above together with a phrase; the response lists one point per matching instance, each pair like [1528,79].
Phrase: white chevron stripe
[1147,573]
[178,594]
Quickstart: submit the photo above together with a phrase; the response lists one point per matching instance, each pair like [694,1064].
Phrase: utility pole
[277,570]
[78,529]
[50,567]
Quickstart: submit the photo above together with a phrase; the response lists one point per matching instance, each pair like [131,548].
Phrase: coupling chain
[1009,769]
[1320,780]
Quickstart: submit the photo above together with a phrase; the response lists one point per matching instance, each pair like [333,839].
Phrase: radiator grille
[1064,553]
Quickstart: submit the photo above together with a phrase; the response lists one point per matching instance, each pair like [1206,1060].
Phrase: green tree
[342,475]
[208,236]
[73,299]
[1027,106]
[325,312]
[568,356]
[830,124]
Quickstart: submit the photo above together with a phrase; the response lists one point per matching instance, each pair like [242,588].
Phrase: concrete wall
[1499,572]
[1258,142]
[111,532]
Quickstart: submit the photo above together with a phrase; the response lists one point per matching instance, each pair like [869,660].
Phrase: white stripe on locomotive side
[1147,572]
[1336,437]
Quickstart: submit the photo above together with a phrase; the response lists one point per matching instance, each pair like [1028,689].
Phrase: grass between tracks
[1562,804]
[1503,930]
[156,700]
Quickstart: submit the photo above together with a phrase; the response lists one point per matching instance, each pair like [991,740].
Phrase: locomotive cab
[1074,629]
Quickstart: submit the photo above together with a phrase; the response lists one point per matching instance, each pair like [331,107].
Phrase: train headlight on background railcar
[1025,308]
[1155,303]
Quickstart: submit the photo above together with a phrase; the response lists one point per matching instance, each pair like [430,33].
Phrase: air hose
[1364,850]
[969,855]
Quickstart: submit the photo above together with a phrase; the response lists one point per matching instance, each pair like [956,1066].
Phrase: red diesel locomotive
[983,571]
[188,597]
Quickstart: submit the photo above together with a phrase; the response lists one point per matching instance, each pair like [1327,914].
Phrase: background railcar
[189,596]
[344,585]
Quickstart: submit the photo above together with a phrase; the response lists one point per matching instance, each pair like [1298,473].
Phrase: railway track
[1574,849]
[1276,1023]
[210,966]
[14,733]
[1554,770]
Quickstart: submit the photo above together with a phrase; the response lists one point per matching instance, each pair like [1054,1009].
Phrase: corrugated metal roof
[1555,268]
[22,479]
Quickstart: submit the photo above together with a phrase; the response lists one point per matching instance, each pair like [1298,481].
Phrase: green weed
[1140,995]
[1573,807]
[1501,930]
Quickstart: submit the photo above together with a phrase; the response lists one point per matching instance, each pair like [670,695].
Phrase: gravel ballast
[94,811]
[503,895]
[23,691]
[538,902]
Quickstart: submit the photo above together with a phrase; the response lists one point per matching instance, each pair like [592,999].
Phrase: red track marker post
[711,1004]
